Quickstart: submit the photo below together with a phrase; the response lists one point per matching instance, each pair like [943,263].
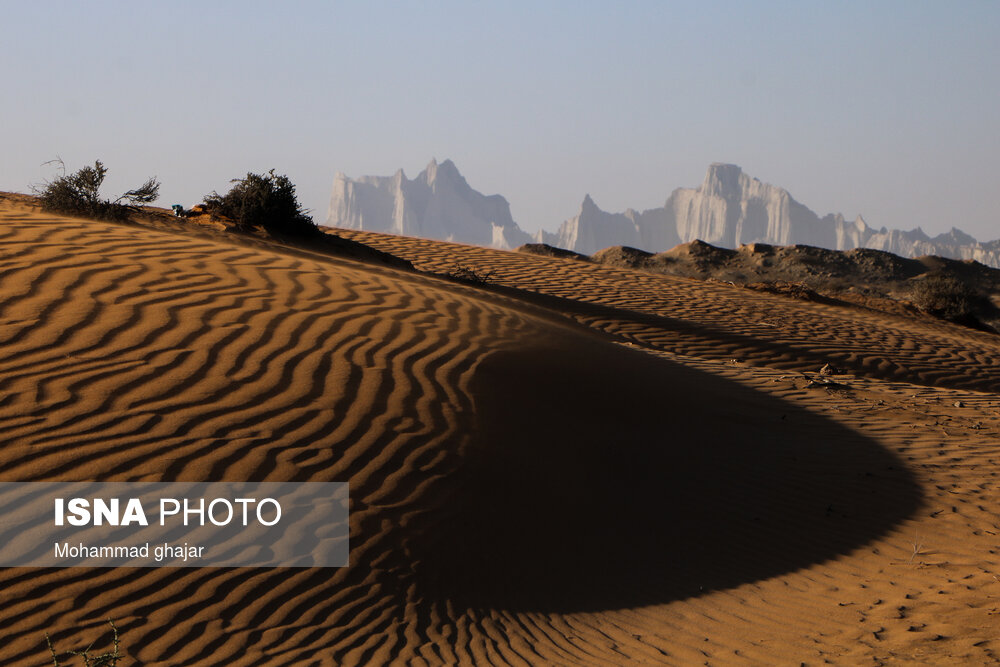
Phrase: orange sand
[574,464]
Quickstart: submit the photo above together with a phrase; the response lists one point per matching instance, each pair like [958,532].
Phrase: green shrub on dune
[264,201]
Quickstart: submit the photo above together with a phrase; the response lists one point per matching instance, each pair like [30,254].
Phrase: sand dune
[562,467]
[721,321]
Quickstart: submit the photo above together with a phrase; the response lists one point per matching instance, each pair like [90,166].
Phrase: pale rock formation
[437,204]
[593,229]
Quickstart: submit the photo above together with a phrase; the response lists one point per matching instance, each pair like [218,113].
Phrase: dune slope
[563,469]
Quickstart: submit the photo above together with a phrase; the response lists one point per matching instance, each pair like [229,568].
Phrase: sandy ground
[571,464]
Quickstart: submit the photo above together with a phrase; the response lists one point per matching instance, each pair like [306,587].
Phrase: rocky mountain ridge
[731,208]
[728,209]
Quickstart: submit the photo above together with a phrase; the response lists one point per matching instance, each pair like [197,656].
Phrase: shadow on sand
[605,478]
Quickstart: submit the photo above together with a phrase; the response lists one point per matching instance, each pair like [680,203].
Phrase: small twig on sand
[917,546]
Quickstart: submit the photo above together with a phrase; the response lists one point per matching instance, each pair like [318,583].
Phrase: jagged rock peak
[722,179]
[443,172]
[588,205]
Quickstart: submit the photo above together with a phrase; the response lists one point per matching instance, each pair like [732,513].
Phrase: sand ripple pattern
[128,354]
[719,321]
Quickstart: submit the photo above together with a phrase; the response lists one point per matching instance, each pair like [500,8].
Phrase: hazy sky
[887,109]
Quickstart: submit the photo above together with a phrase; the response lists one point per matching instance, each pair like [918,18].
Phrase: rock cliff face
[730,208]
[437,204]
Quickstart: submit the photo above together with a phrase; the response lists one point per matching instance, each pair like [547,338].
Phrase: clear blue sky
[887,109]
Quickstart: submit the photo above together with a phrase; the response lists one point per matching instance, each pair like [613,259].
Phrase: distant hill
[728,209]
[961,291]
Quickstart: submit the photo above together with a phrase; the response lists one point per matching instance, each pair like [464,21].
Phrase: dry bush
[79,194]
[945,297]
[468,274]
[106,659]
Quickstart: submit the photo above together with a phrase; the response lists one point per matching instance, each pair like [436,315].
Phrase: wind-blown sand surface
[573,464]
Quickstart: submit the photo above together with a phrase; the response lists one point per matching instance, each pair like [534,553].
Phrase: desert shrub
[945,297]
[468,274]
[106,659]
[80,194]
[265,201]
